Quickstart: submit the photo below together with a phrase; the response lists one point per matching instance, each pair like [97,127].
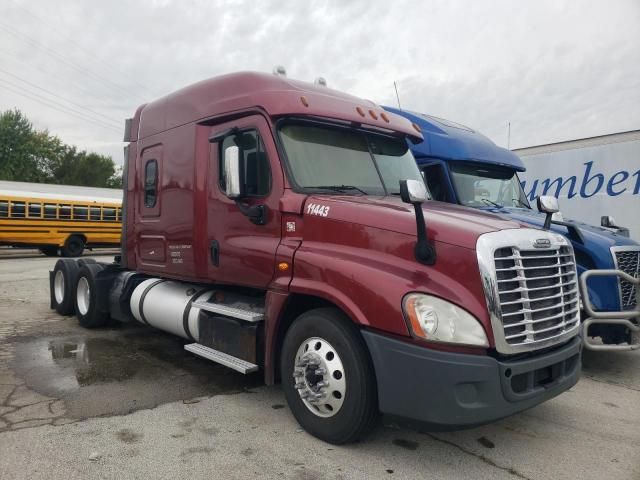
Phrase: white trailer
[592,177]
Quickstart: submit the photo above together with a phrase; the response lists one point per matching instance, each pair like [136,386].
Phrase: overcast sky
[556,70]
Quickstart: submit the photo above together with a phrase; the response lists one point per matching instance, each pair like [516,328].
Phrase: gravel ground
[129,402]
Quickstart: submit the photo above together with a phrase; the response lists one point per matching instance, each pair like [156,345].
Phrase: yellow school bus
[59,219]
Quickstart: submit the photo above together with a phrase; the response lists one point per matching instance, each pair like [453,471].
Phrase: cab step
[227,311]
[235,363]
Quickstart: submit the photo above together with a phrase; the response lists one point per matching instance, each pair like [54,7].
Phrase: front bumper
[450,391]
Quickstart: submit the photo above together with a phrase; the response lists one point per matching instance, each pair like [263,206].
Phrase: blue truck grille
[627,260]
[538,293]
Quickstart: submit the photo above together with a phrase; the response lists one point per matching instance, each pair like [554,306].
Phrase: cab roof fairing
[277,96]
[450,141]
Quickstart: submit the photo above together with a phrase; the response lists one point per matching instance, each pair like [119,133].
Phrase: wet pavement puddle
[120,370]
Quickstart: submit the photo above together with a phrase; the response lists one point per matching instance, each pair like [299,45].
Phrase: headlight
[437,320]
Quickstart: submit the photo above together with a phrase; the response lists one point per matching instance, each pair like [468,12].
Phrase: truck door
[242,252]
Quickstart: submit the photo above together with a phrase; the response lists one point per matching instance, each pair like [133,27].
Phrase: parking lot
[129,402]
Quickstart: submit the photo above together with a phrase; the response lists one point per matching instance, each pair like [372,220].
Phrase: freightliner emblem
[542,243]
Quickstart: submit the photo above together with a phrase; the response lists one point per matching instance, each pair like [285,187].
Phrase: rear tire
[347,404]
[63,286]
[73,246]
[87,297]
[49,251]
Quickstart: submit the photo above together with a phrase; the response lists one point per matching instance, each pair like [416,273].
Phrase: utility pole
[397,96]
[509,136]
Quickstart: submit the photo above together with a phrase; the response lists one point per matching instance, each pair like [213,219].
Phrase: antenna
[321,81]
[397,96]
[509,136]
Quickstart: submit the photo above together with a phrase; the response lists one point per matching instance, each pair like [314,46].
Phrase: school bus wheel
[73,246]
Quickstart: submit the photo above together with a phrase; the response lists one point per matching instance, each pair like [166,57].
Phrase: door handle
[214,250]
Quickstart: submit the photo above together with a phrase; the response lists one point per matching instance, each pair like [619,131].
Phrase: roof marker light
[279,71]
[416,127]
[384,117]
[360,110]
[373,114]
[304,101]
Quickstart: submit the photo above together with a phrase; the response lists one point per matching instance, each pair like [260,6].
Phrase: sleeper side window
[150,183]
[257,172]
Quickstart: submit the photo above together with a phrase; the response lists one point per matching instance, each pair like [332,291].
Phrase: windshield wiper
[491,202]
[520,202]
[339,188]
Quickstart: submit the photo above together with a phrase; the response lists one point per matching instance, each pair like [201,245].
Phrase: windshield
[348,161]
[479,185]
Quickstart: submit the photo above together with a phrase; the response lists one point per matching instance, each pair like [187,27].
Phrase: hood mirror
[415,193]
[412,191]
[607,221]
[548,205]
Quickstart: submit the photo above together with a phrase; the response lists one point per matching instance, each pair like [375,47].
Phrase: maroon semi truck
[283,227]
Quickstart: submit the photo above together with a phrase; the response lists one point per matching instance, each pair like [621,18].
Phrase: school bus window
[65,212]
[109,214]
[17,209]
[118,214]
[4,209]
[80,212]
[94,214]
[35,210]
[50,210]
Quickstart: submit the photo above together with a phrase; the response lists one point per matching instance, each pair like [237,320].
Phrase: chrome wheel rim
[83,296]
[58,286]
[319,377]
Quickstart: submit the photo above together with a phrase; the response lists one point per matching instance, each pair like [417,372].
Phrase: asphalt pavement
[129,402]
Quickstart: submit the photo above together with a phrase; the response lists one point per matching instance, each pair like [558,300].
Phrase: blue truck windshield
[349,161]
[479,185]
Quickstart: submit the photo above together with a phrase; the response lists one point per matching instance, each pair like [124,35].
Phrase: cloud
[555,69]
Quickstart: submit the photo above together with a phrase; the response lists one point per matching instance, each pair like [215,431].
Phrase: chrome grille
[538,293]
[627,259]
[531,285]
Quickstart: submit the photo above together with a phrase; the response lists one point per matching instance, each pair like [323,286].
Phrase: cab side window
[257,172]
[437,182]
[150,183]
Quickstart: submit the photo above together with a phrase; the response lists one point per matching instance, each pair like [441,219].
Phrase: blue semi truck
[463,166]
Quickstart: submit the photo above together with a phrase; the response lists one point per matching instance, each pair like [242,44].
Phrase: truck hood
[594,235]
[446,223]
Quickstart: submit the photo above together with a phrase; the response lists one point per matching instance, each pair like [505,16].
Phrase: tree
[17,148]
[29,155]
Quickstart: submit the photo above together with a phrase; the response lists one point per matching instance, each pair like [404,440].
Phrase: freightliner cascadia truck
[284,227]
[464,167]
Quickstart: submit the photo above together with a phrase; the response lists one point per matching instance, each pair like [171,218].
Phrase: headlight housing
[437,320]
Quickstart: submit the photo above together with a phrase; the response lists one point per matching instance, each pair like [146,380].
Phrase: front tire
[87,296]
[327,377]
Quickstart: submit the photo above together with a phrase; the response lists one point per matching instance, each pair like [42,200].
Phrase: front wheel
[327,377]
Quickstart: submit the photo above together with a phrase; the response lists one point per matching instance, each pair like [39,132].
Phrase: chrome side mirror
[413,191]
[233,172]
